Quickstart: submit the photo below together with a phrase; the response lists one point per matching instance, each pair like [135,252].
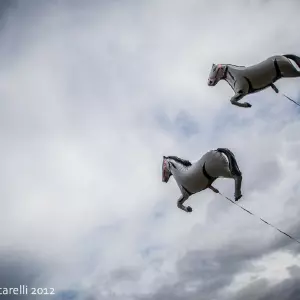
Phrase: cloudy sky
[93,93]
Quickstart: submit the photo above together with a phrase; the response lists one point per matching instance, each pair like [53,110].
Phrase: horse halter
[166,173]
[217,73]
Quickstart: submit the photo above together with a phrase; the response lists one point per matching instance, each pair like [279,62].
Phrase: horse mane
[234,65]
[182,161]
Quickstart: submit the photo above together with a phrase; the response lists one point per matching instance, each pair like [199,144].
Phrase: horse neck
[179,168]
[230,74]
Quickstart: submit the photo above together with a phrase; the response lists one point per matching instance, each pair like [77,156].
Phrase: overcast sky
[93,94]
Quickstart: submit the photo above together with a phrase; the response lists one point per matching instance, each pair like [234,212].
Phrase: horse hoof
[238,197]
[189,209]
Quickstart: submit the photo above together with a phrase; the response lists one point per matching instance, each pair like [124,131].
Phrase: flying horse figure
[248,80]
[192,178]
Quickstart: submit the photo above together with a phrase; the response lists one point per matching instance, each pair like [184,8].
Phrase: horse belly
[195,181]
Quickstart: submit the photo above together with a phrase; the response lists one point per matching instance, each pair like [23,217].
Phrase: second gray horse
[247,80]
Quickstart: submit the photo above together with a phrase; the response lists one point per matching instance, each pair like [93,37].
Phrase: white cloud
[90,99]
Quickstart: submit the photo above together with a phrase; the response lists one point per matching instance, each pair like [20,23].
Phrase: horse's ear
[164,157]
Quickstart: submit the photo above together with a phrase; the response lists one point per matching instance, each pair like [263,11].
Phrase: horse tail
[293,57]
[233,166]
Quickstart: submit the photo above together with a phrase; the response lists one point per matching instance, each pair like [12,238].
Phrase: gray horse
[247,80]
[195,177]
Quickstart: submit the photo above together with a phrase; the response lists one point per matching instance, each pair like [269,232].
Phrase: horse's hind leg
[238,185]
[287,68]
[233,171]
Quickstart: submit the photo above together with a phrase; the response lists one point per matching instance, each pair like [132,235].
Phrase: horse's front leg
[180,205]
[237,97]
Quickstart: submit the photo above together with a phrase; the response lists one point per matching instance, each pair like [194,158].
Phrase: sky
[93,94]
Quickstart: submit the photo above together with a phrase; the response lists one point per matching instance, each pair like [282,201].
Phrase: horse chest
[192,179]
[231,79]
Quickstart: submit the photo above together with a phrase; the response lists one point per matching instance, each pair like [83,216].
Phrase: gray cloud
[206,274]
[20,269]
[261,289]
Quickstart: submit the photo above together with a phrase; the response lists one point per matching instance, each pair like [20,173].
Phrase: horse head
[166,172]
[217,73]
[172,162]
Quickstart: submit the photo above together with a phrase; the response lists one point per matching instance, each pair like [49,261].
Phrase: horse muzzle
[211,82]
[165,180]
